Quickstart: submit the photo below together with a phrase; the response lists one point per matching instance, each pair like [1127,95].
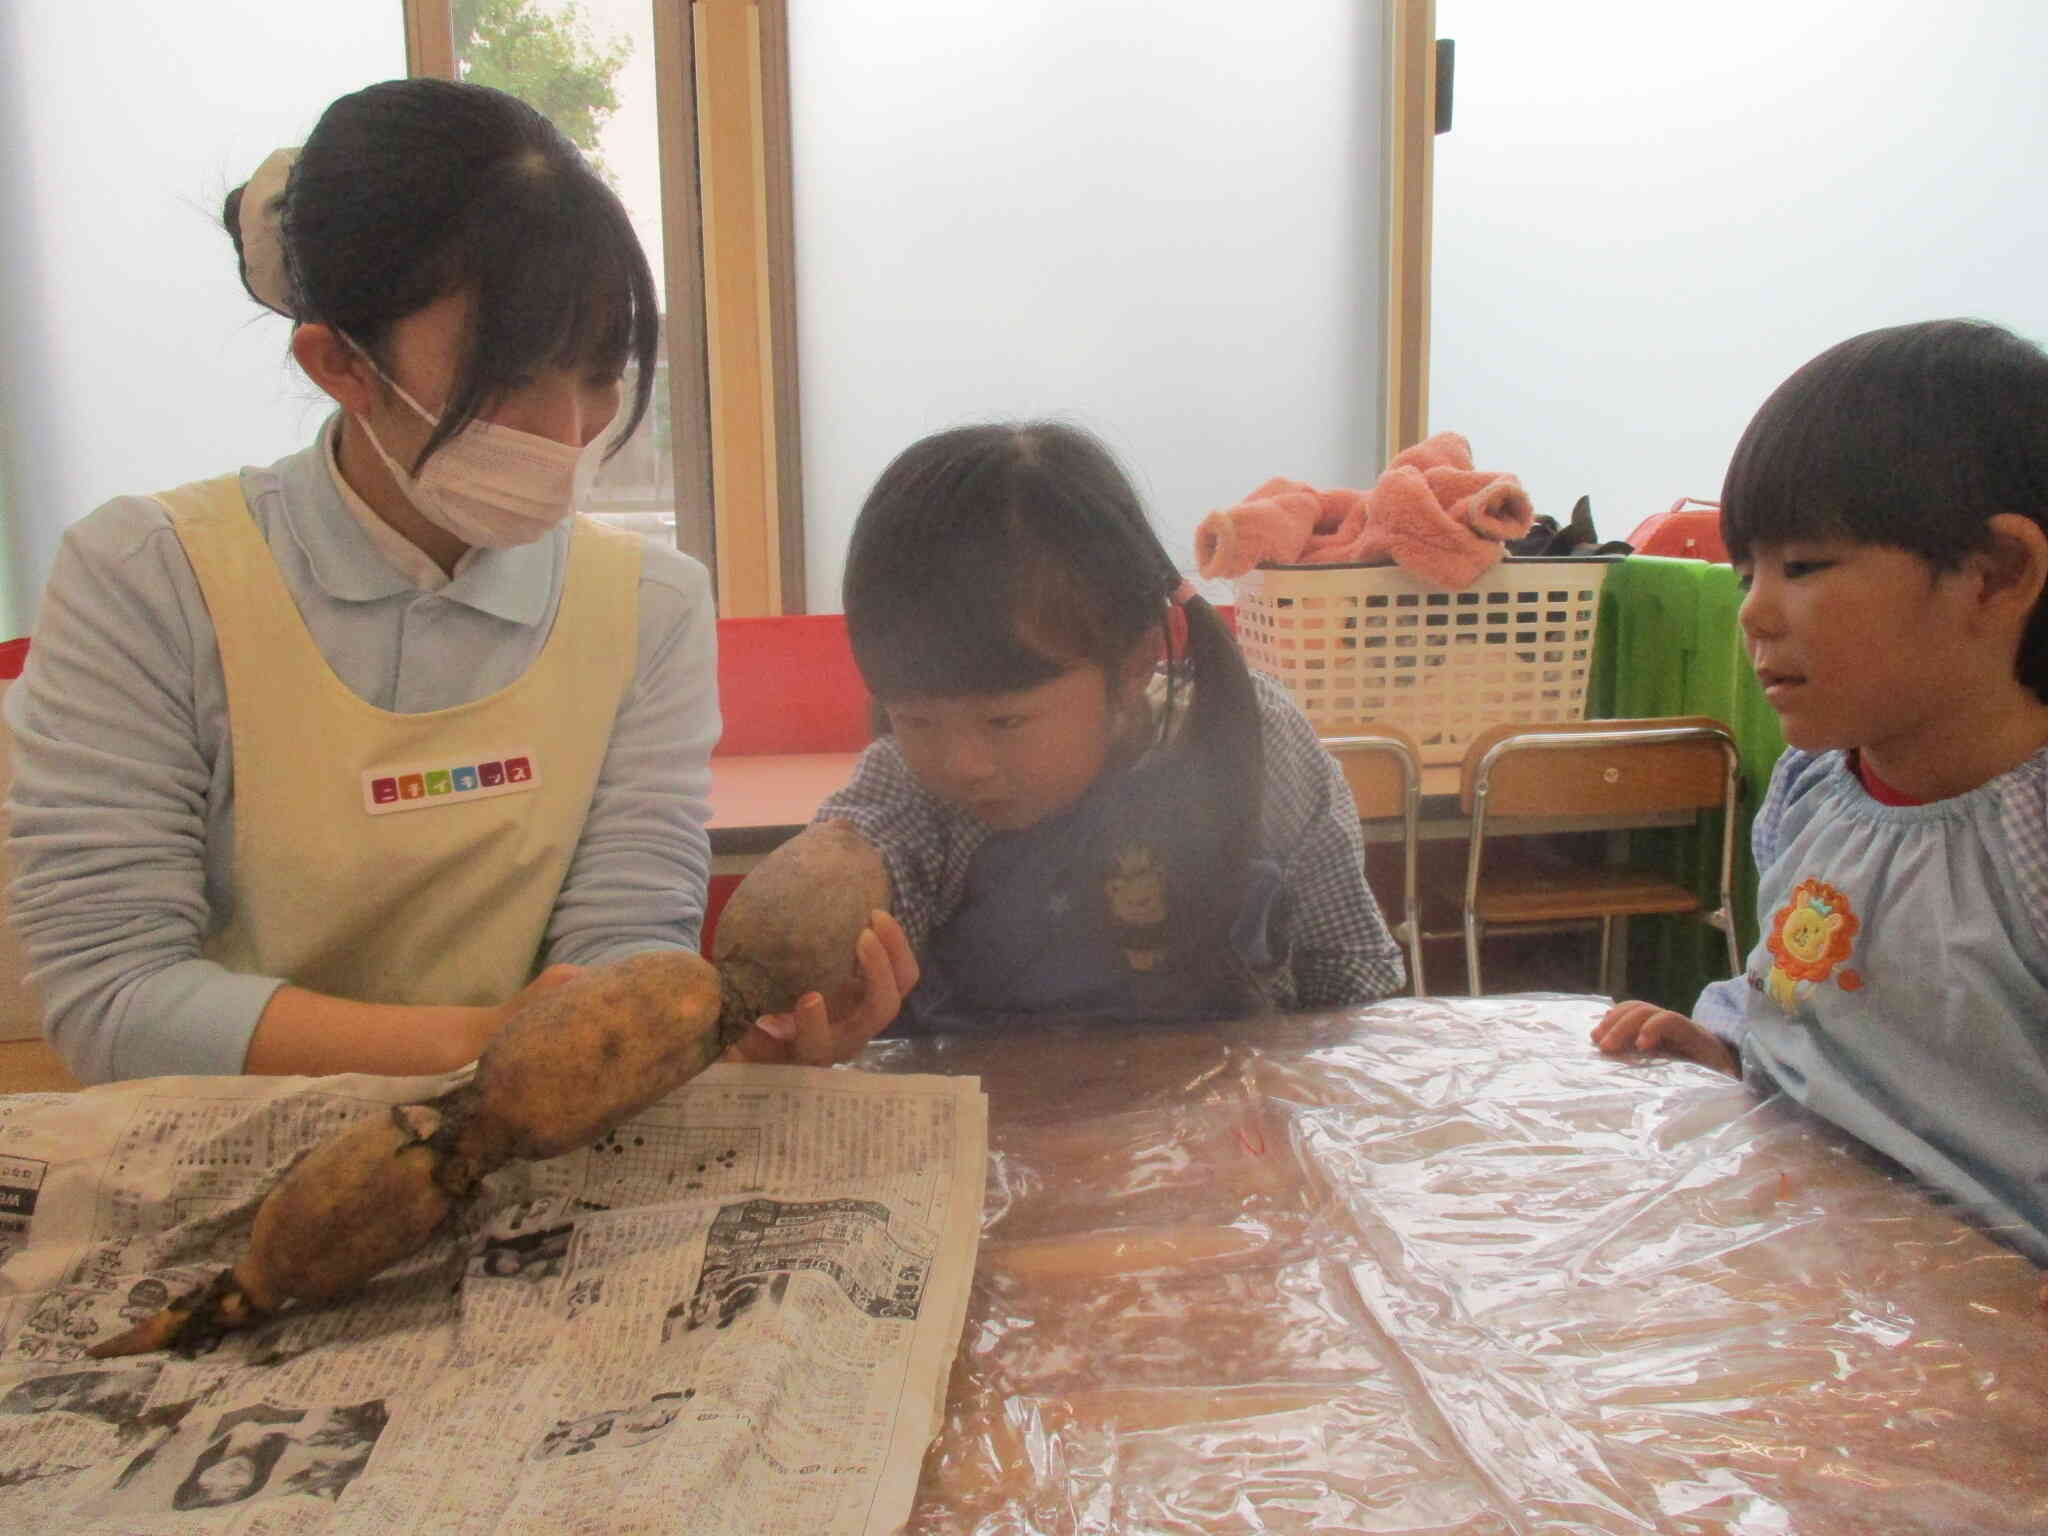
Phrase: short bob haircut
[1912,437]
[411,190]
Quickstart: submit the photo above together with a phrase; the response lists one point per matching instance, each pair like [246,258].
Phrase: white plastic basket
[1357,643]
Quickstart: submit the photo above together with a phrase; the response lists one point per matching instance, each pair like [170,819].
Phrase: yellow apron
[392,858]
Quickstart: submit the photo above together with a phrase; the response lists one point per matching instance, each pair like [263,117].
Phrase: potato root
[568,1065]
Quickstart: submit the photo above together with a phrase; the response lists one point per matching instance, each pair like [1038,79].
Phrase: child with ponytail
[1089,807]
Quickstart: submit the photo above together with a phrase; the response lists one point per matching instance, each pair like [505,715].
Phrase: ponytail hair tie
[259,217]
[1177,622]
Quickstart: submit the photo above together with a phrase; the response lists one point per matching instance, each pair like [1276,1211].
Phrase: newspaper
[735,1313]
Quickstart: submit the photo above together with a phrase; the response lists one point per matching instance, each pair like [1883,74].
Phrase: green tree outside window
[548,58]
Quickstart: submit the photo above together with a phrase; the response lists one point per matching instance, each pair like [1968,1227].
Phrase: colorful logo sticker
[414,787]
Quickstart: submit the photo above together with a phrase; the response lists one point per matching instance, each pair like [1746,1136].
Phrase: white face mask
[490,485]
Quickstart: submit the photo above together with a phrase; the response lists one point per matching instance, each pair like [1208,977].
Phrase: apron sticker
[413,788]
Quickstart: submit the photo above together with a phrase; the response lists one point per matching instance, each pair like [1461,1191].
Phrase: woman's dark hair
[992,558]
[1913,437]
[411,190]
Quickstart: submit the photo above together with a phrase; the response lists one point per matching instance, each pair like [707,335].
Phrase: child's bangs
[963,575]
[1891,437]
[1783,483]
[965,631]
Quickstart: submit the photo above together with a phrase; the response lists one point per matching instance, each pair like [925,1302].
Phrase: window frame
[728,224]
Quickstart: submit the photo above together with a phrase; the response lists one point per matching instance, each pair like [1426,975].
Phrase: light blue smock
[1900,988]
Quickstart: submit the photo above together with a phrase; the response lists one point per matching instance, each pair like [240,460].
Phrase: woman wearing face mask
[318,764]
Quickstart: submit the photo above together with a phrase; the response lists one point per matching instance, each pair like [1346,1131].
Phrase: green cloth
[1668,644]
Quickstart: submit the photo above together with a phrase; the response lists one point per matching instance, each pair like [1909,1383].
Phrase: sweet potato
[780,933]
[568,1065]
[576,1061]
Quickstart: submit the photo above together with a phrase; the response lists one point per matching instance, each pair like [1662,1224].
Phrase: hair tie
[262,210]
[1182,593]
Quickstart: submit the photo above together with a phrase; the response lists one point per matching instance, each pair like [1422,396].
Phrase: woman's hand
[1646,1027]
[314,1034]
[813,1035]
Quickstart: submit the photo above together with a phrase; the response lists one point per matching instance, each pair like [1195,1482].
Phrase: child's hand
[810,1035]
[1646,1027]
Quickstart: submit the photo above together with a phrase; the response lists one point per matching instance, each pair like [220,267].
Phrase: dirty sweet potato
[790,928]
[572,1063]
[568,1065]
[363,1199]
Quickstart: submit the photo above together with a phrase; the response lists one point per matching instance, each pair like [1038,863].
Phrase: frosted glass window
[1160,221]
[1646,216]
[133,359]
[598,86]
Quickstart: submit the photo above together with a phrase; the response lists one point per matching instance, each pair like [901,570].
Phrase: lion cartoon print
[1810,939]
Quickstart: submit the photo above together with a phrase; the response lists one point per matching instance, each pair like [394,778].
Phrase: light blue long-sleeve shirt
[1900,989]
[123,798]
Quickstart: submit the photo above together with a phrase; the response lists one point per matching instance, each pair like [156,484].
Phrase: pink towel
[1421,535]
[1492,506]
[1445,449]
[1269,527]
[1430,512]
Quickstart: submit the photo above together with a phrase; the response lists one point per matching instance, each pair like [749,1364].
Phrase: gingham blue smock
[1309,929]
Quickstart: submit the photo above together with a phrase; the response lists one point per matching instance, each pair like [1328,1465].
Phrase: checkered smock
[1335,948]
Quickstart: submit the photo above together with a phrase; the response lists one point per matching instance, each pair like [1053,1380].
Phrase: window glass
[1162,221]
[133,360]
[589,66]
[1646,216]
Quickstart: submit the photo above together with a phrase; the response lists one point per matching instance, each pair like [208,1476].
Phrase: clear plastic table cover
[1439,1266]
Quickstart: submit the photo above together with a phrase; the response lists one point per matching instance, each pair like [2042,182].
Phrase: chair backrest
[788,684]
[1383,766]
[1589,767]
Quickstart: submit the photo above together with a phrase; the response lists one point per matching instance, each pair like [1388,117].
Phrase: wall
[1646,216]
[133,359]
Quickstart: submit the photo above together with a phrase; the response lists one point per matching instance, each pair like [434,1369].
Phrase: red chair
[786,684]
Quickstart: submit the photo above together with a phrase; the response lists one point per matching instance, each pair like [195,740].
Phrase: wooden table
[1438,1265]
[758,802]
[1435,1265]
[30,1066]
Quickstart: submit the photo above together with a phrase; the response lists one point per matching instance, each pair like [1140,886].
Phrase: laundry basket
[1357,643]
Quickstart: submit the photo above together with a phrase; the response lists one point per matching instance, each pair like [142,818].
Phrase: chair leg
[1606,978]
[1472,955]
[1410,934]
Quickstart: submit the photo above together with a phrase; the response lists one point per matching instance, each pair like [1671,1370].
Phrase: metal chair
[1383,766]
[1518,773]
